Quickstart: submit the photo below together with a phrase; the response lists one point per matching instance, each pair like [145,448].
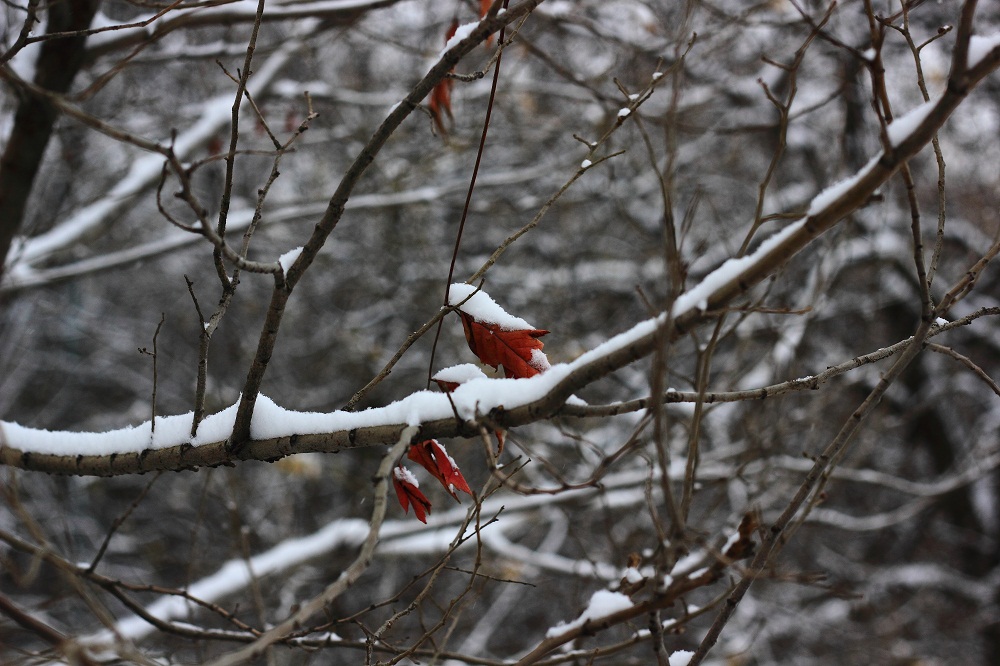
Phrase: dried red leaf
[408,493]
[518,351]
[433,457]
[446,386]
[743,545]
[501,435]
[452,29]
[440,103]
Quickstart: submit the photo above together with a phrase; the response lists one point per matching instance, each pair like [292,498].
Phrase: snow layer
[475,396]
[461,32]
[484,309]
[602,604]
[169,431]
[901,128]
[680,658]
[235,574]
[981,46]
[287,259]
[459,374]
[832,193]
[698,295]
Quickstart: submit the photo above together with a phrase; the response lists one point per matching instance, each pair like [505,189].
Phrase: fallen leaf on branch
[501,435]
[741,545]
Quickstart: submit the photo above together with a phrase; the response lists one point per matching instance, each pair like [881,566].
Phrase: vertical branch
[675,267]
[662,347]
[255,376]
[209,327]
[783,108]
[58,63]
[935,142]
[677,273]
[229,284]
[204,340]
[706,354]
[881,96]
[143,350]
[957,78]
[703,371]
[234,137]
[876,70]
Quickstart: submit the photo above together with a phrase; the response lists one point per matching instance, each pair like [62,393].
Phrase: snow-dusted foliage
[755,240]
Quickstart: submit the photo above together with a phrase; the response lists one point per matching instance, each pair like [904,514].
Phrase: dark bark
[59,60]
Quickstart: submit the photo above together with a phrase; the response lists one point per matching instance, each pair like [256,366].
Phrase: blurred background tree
[753,109]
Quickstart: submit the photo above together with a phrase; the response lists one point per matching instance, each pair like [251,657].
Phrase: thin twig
[120,520]
[152,402]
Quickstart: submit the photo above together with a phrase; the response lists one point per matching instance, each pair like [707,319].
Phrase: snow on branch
[397,537]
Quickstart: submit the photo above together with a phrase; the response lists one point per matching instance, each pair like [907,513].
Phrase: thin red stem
[468,196]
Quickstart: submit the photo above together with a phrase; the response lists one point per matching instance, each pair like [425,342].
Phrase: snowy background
[897,564]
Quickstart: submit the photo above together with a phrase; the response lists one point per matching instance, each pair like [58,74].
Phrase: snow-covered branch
[502,402]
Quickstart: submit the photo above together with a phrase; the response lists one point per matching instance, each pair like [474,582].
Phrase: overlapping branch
[718,291]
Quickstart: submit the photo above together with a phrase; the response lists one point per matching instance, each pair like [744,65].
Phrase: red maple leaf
[440,104]
[433,457]
[497,337]
[518,351]
[408,492]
